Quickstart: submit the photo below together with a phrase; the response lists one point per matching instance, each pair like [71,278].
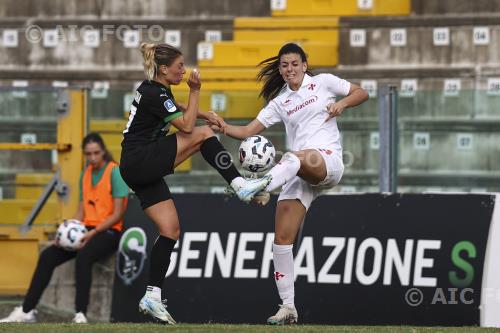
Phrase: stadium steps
[15,211]
[31,185]
[299,29]
[419,49]
[455,7]
[250,53]
[19,251]
[131,10]
[342,8]
[18,257]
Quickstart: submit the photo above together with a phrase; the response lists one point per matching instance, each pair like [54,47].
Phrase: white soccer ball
[257,153]
[69,234]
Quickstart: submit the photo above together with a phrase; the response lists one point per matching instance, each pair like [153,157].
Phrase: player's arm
[356,96]
[209,116]
[79,215]
[187,121]
[241,132]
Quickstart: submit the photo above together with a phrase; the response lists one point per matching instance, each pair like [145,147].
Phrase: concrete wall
[111,54]
[60,293]
[420,49]
[450,7]
[123,8]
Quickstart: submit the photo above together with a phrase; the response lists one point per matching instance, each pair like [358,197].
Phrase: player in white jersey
[307,105]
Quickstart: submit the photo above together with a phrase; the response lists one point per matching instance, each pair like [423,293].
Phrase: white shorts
[297,188]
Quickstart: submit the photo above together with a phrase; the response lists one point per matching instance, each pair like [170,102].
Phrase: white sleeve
[269,115]
[336,85]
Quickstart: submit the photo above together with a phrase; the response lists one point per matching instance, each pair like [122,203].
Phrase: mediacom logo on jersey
[308,101]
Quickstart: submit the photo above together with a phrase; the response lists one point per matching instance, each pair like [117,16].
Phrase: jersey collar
[158,84]
[305,81]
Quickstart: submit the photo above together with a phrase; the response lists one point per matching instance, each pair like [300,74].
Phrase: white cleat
[80,318]
[19,316]
[261,198]
[286,315]
[156,308]
[247,192]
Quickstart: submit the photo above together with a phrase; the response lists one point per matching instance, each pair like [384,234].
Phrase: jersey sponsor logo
[170,106]
[311,86]
[285,103]
[299,107]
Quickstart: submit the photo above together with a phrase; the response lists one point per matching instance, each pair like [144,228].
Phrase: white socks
[285,170]
[283,272]
[154,292]
[237,183]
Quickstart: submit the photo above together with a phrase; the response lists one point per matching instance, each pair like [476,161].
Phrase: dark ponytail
[270,75]
[96,137]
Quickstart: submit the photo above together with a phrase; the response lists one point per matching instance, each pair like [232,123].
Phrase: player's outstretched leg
[286,315]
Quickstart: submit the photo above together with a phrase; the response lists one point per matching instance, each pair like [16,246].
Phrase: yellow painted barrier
[32,185]
[225,75]
[230,104]
[286,22]
[18,258]
[283,29]
[251,53]
[343,8]
[15,211]
[71,129]
[38,231]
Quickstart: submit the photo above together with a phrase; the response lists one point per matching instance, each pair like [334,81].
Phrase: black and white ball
[69,234]
[257,153]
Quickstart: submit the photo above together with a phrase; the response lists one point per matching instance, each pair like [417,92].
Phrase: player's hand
[88,236]
[214,128]
[335,109]
[194,81]
[218,121]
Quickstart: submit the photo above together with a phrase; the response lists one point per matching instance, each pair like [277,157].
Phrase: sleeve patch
[170,106]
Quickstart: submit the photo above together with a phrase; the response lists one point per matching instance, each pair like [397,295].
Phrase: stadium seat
[15,211]
[343,8]
[31,185]
[251,53]
[282,29]
[231,104]
[19,259]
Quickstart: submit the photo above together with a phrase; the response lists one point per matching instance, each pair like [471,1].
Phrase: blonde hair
[155,55]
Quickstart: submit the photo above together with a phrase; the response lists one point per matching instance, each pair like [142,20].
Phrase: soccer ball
[69,234]
[257,153]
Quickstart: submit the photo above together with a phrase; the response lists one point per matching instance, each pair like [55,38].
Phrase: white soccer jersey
[304,112]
